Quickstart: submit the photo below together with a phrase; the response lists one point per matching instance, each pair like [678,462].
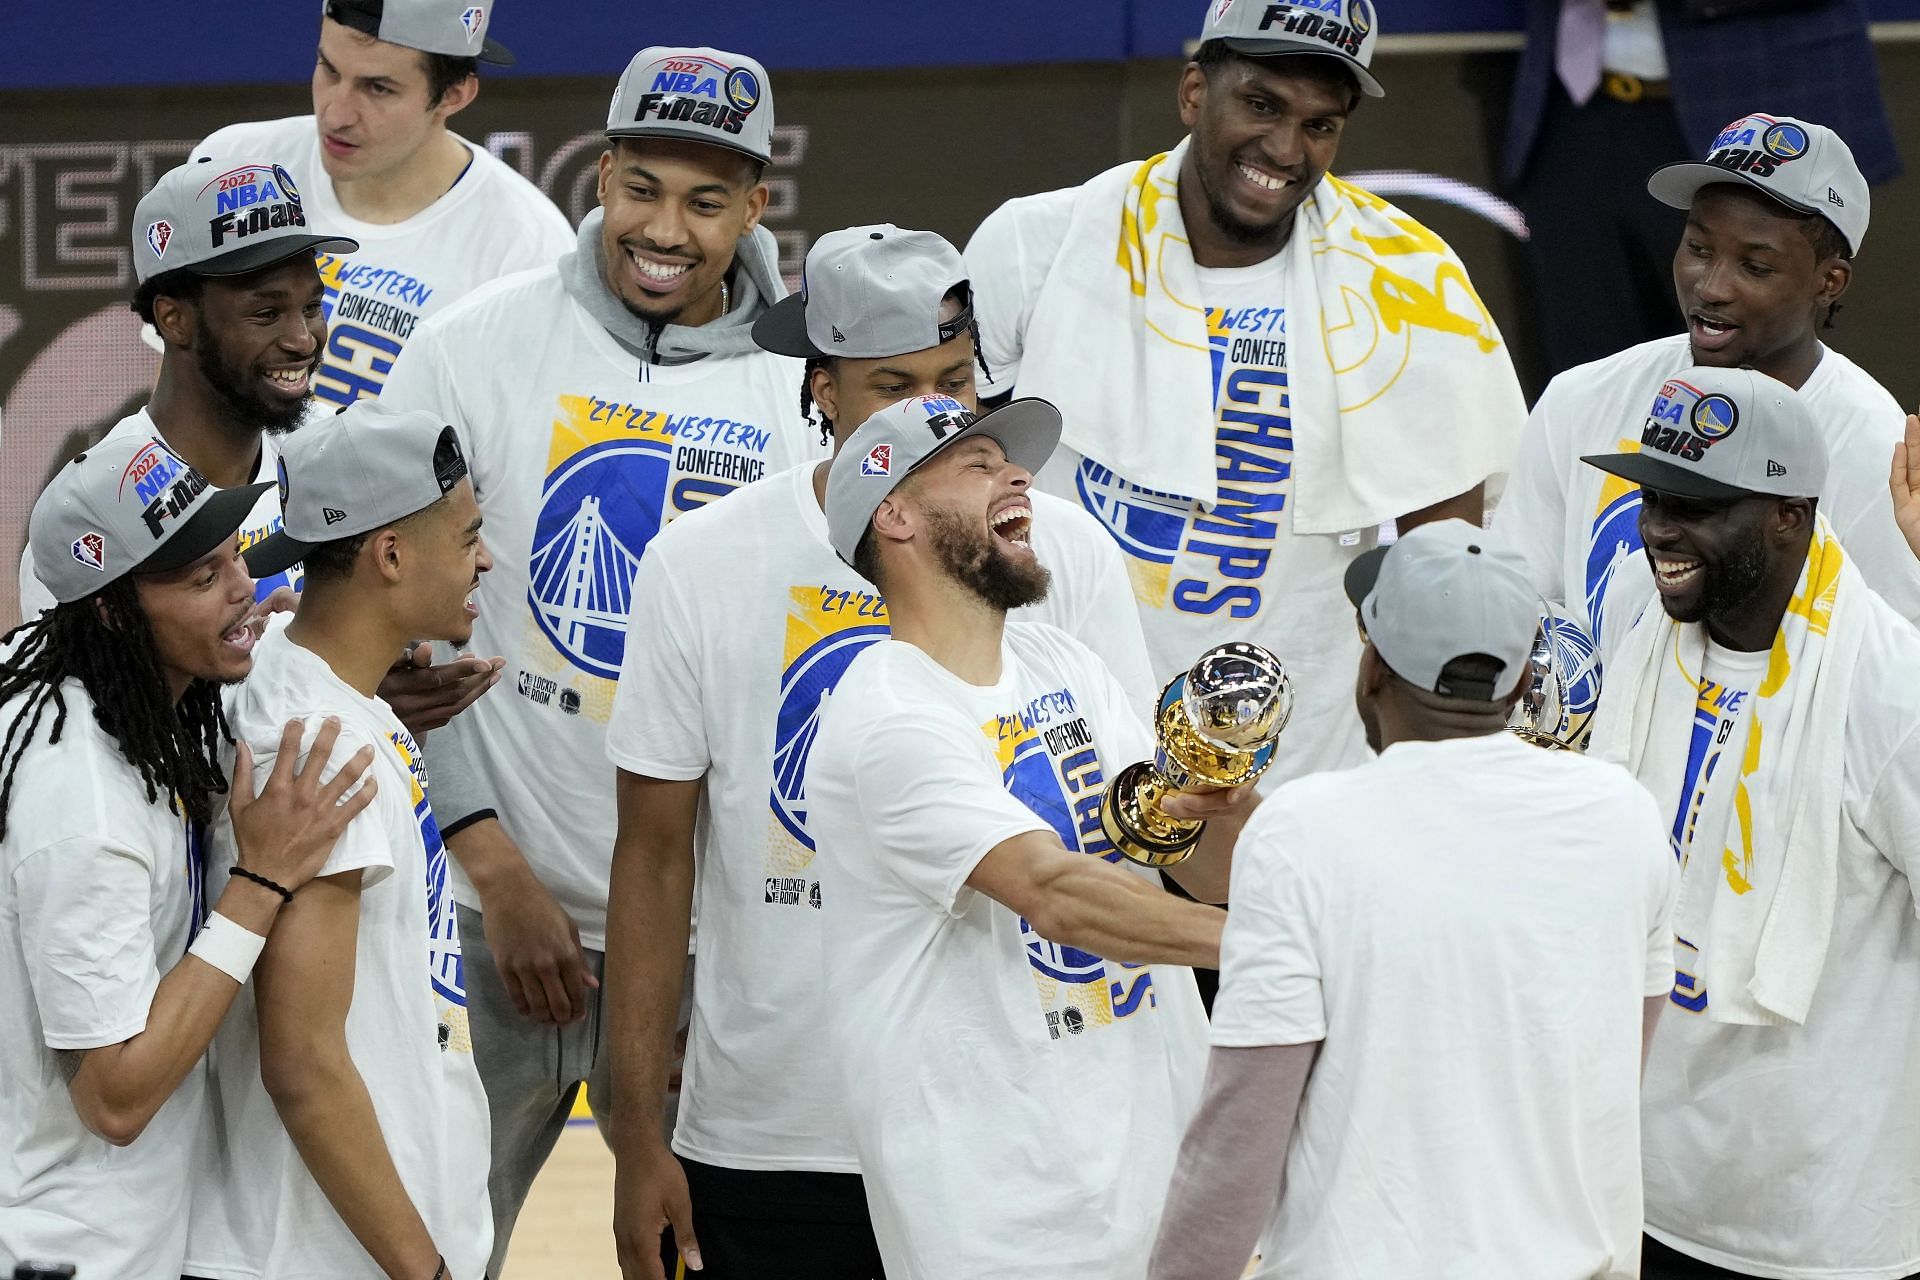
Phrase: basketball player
[351,1131]
[634,358]
[114,973]
[1016,1030]
[776,1191]
[433,215]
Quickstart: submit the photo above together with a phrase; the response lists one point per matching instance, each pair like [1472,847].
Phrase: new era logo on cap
[157,236]
[1686,422]
[90,549]
[878,462]
[332,515]
[1833,198]
[1775,469]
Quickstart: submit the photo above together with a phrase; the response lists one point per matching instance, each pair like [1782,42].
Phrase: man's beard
[1231,224]
[968,555]
[1732,581]
[234,387]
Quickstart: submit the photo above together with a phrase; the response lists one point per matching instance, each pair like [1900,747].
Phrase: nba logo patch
[1220,9]
[472,19]
[878,462]
[90,549]
[158,235]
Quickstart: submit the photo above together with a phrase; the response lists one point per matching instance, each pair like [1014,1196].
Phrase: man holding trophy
[1013,1016]
[1437,972]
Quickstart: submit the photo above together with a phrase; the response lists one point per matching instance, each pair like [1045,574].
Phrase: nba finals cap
[451,27]
[128,505]
[868,292]
[1443,591]
[224,214]
[1805,167]
[1723,434]
[699,95]
[366,468]
[1343,29]
[893,442]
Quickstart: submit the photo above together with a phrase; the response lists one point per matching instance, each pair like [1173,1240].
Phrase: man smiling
[1238,422]
[1775,217]
[1767,701]
[598,399]
[435,216]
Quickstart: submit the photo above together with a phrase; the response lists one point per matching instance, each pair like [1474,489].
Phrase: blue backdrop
[76,43]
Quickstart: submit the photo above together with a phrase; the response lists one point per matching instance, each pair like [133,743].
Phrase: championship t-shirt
[99,893]
[1578,526]
[1016,1104]
[258,1213]
[1795,1151]
[579,453]
[491,223]
[1238,572]
[1471,928]
[263,520]
[727,685]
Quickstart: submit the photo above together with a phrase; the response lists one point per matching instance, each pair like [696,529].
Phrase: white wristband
[227,946]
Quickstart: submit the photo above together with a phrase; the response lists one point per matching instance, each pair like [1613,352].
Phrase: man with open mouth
[1763,693]
[118,958]
[598,399]
[1775,216]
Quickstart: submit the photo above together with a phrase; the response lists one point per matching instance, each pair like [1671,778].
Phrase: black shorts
[798,1225]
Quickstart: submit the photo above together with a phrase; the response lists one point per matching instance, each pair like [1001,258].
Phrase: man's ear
[173,320]
[1792,520]
[1191,96]
[893,519]
[825,392]
[385,550]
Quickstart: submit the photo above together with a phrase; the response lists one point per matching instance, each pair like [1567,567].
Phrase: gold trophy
[1215,727]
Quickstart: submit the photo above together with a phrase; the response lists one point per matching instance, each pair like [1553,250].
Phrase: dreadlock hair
[1827,243]
[106,643]
[828,363]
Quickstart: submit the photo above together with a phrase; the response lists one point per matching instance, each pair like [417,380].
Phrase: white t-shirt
[98,903]
[1237,572]
[727,685]
[1722,718]
[580,453]
[1795,1151]
[1471,927]
[257,1210]
[491,223]
[1578,526]
[263,520]
[1016,1104]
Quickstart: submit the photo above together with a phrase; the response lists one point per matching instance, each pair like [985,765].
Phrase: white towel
[1402,391]
[1761,913]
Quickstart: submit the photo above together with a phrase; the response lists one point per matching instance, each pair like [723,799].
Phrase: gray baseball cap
[893,442]
[362,470]
[1806,167]
[1443,591]
[697,95]
[1343,29]
[867,292]
[1724,434]
[455,28]
[128,505]
[224,213]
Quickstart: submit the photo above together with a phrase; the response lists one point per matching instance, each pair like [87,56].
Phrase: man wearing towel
[1241,472]
[1761,267]
[1769,705]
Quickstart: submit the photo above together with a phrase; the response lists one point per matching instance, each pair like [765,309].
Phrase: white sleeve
[365,845]
[35,599]
[929,791]
[86,932]
[1270,990]
[1008,259]
[658,724]
[1649,841]
[1532,515]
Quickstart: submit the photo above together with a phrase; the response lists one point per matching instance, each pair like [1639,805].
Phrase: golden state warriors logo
[443,932]
[826,629]
[1715,417]
[1360,16]
[743,89]
[1785,141]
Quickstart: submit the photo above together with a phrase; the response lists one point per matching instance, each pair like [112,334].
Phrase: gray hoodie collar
[754,280]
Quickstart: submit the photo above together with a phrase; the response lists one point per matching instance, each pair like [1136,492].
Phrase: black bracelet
[285,893]
[440,1272]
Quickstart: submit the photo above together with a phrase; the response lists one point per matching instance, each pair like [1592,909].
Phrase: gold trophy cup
[1215,727]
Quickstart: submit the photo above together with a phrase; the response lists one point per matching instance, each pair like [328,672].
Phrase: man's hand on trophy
[1205,804]
[1225,810]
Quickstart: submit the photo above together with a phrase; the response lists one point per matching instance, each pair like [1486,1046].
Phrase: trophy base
[1131,818]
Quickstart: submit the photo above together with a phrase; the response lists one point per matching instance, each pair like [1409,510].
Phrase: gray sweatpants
[532,1073]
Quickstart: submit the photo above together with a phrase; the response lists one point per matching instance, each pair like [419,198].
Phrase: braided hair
[106,643]
[826,362]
